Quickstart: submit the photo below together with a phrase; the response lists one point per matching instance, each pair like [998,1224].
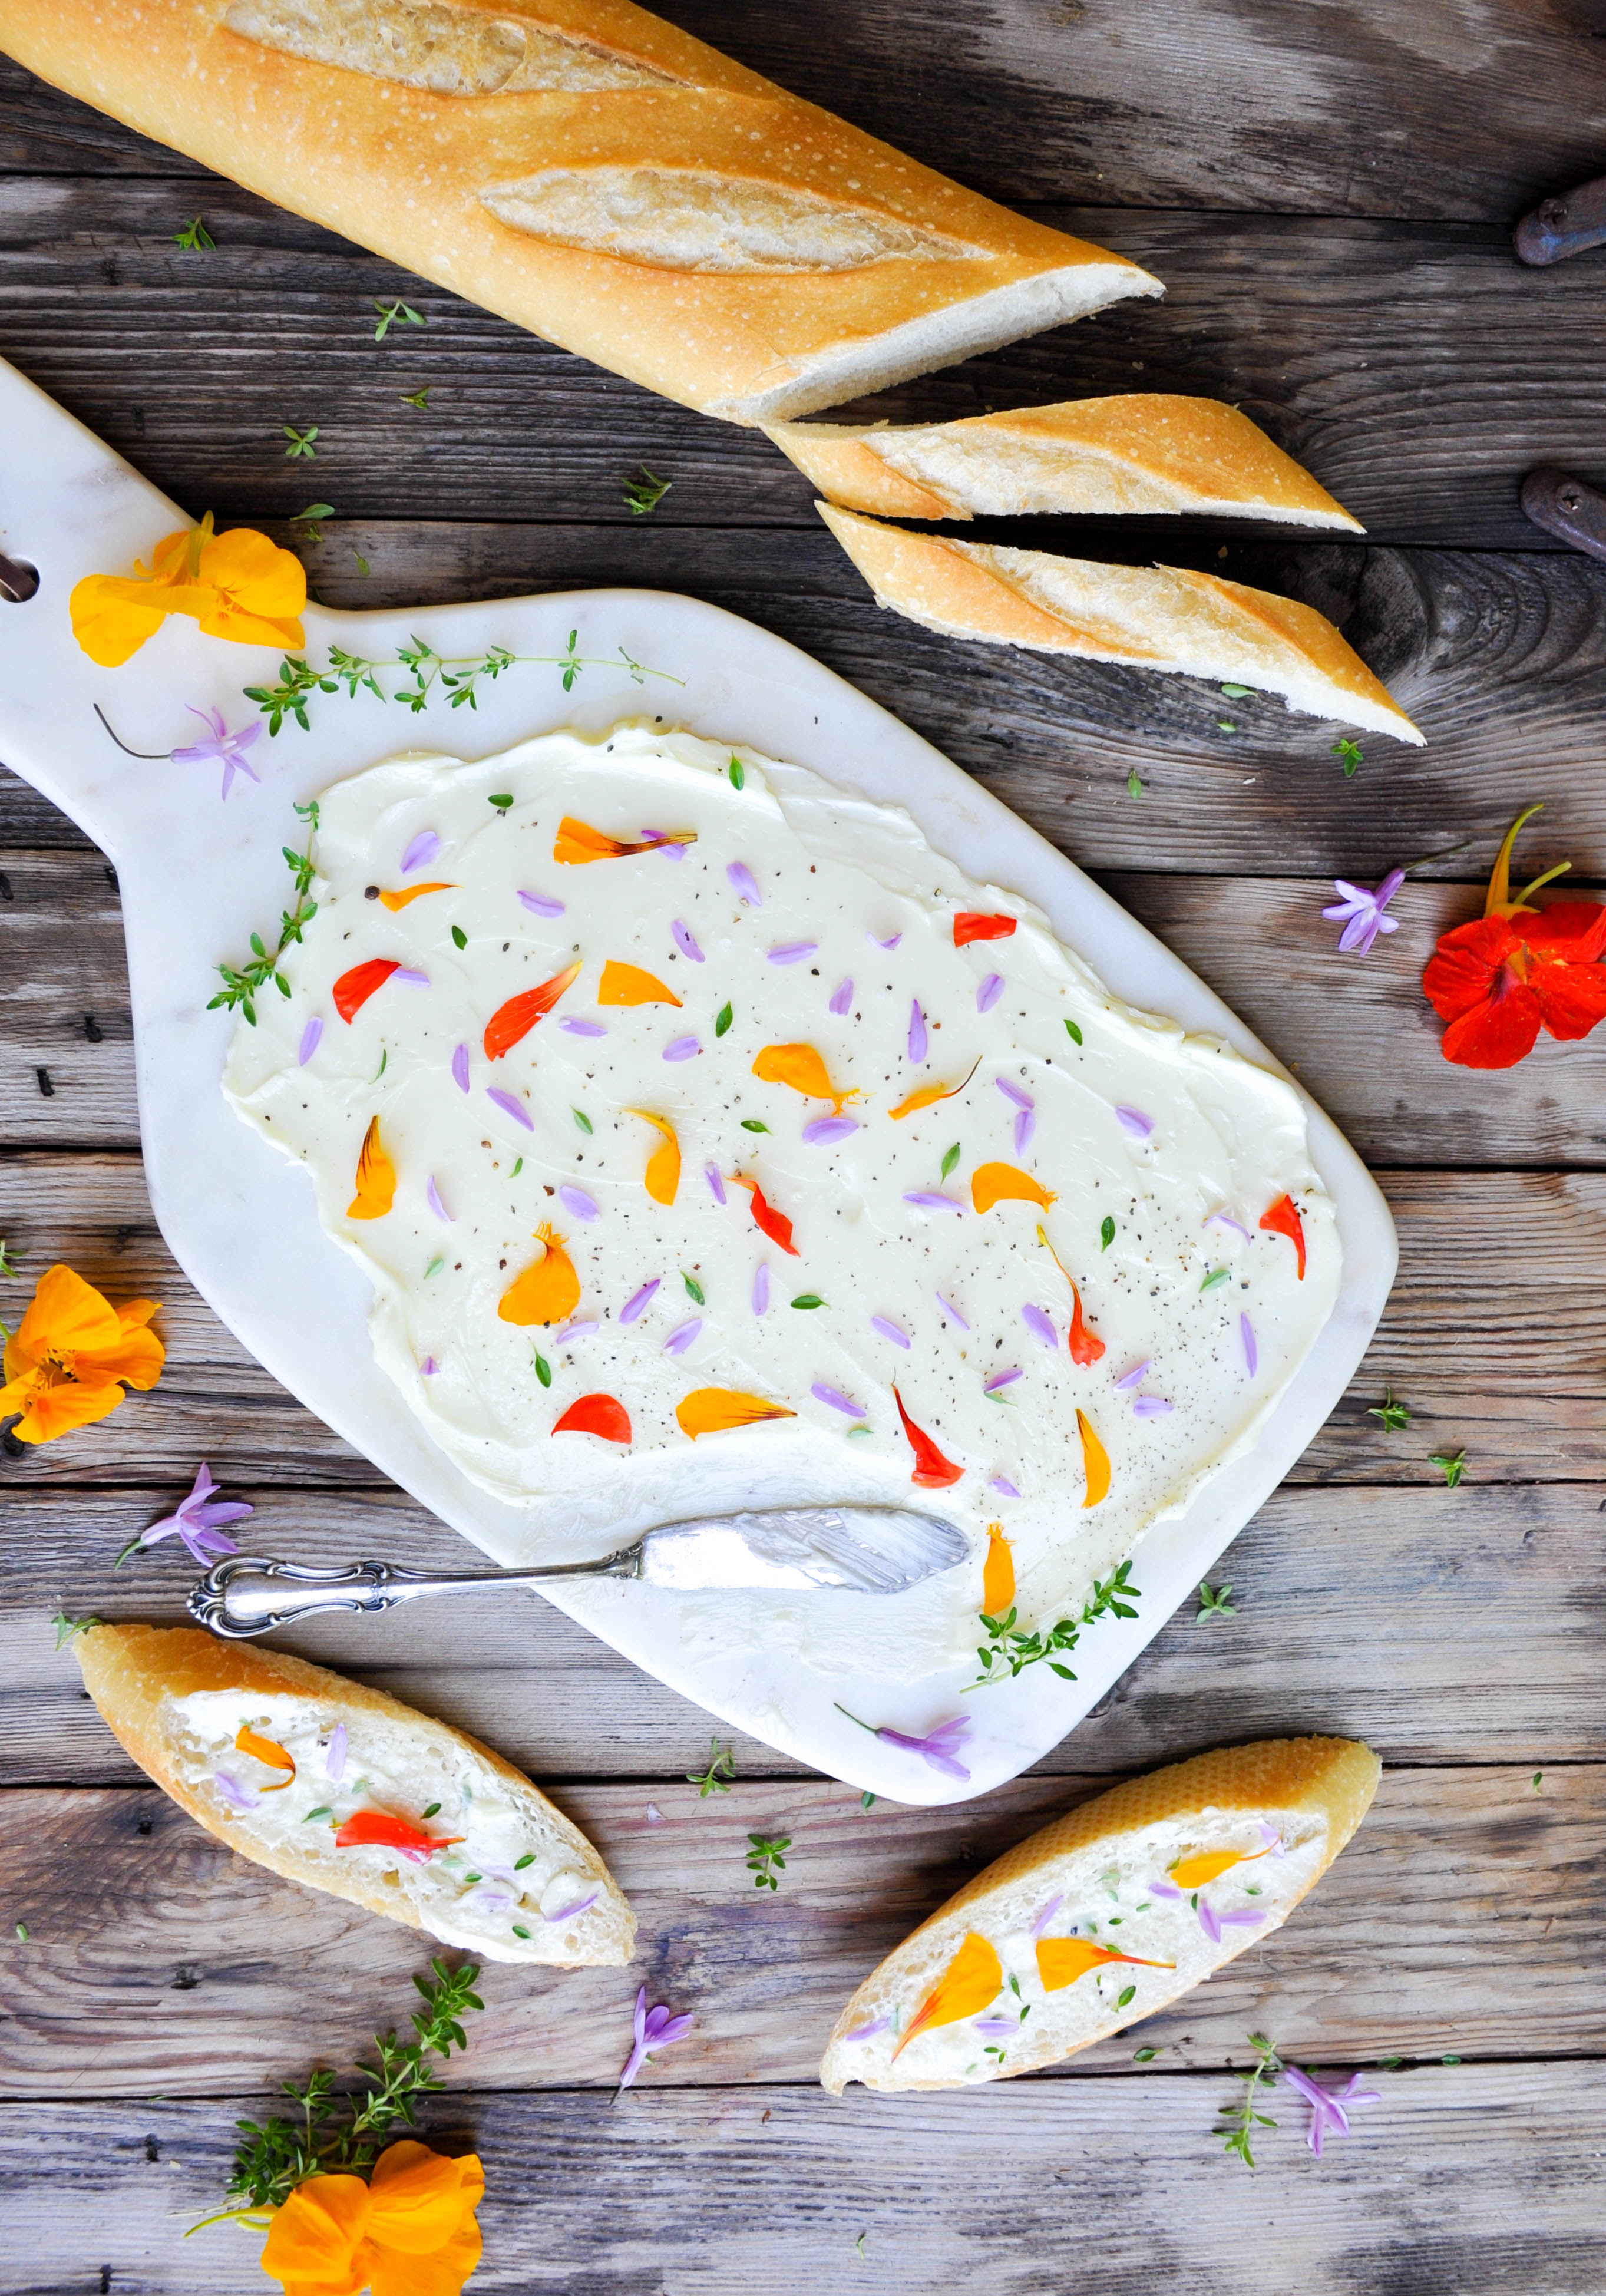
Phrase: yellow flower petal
[113,617]
[998,1573]
[662,1175]
[314,2240]
[1193,1873]
[50,1411]
[1096,1463]
[974,1978]
[64,1316]
[420,2200]
[548,1291]
[627,984]
[394,901]
[710,1410]
[804,1069]
[997,1183]
[375,1178]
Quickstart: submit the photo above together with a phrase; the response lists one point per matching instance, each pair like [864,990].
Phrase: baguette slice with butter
[591,172]
[1104,1917]
[1152,616]
[1148,452]
[278,1758]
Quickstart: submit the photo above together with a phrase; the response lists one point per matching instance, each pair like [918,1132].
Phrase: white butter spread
[796,916]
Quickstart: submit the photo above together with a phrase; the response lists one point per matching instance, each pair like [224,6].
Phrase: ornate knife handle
[249,1595]
[1569,225]
[1564,505]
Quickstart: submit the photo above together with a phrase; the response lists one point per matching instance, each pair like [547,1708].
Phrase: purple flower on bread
[199,1523]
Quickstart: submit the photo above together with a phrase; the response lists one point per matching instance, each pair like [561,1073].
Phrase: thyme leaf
[717,1778]
[644,494]
[425,672]
[66,1627]
[765,1860]
[1215,1605]
[395,315]
[1007,1651]
[243,984]
[195,238]
[1237,2121]
[1393,1416]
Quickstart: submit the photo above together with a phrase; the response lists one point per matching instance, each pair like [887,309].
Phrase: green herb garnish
[519,1863]
[543,1368]
[501,800]
[460,939]
[751,1124]
[300,448]
[242,987]
[1215,1605]
[395,315]
[866,1801]
[1007,1652]
[322,1810]
[518,1167]
[1348,754]
[1393,1416]
[8,1266]
[519,1932]
[433,1810]
[434,1268]
[581,1118]
[1106,1233]
[311,520]
[1217,1276]
[1121,2000]
[363,567]
[717,1778]
[738,774]
[1237,692]
[693,1288]
[458,675]
[1239,2122]
[1134,787]
[1454,1466]
[765,1860]
[419,399]
[950,1159]
[808,1300]
[723,1020]
[643,493]
[1073,1032]
[1144,2056]
[195,238]
[66,1627]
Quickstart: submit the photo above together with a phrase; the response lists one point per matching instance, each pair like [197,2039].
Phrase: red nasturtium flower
[1515,969]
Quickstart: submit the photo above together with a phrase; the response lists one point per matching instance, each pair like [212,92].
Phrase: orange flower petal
[64,1316]
[931,1094]
[421,2199]
[997,1183]
[576,842]
[932,1472]
[440,2273]
[1193,1873]
[1096,1463]
[256,586]
[511,1022]
[394,901]
[49,1412]
[268,1751]
[1282,1218]
[137,1357]
[595,1414]
[1085,1348]
[375,1178]
[1060,1961]
[998,1574]
[548,1291]
[712,1410]
[313,2241]
[376,1829]
[970,925]
[353,989]
[803,1068]
[663,1176]
[111,618]
[774,1224]
[974,1978]
[627,984]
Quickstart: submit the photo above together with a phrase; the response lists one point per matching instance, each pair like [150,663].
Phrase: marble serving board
[196,875]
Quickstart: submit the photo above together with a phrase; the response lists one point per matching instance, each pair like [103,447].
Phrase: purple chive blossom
[637,1301]
[413,979]
[490,1901]
[1132,1377]
[1012,1092]
[681,1338]
[1040,1326]
[889,1330]
[710,1173]
[999,1379]
[683,941]
[583,1027]
[580,1906]
[580,1329]
[1227,1220]
[826,1131]
[199,1523]
[1047,1914]
[948,1308]
[424,847]
[460,1068]
[1364,911]
[1251,1353]
[311,1037]
[884,944]
[937,1748]
[838,1401]
[1003,1487]
[655,1815]
[1151,1406]
[509,1106]
[989,992]
[1026,1124]
[1133,1120]
[1328,2116]
[1270,1838]
[931,1199]
[1212,1922]
[918,1038]
[868,2032]
[683,1048]
[655,2029]
[428,1368]
[334,1755]
[841,997]
[218,747]
[993,2028]
[575,1202]
[540,905]
[761,1288]
[743,883]
[1163,1890]
[237,1796]
[662,842]
[791,952]
[432,1195]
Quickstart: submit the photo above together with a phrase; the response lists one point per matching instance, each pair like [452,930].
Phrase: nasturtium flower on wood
[410,2230]
[1516,969]
[72,1355]
[546,1291]
[972,1979]
[375,1178]
[238,585]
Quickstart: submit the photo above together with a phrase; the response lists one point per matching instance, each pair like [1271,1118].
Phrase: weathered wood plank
[1432,336]
[1470,2180]
[144,1968]
[1444,1627]
[1367,111]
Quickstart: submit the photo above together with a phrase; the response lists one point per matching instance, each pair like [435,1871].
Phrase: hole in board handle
[18,581]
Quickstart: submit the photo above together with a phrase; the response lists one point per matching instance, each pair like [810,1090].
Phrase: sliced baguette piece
[1273,1818]
[177,1698]
[1146,452]
[592,173]
[1153,617]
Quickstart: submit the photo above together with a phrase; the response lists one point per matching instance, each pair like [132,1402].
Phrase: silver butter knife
[869,1550]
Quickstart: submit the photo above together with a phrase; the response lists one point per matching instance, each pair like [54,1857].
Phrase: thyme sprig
[458,675]
[66,1628]
[243,985]
[717,1778]
[643,494]
[343,2133]
[765,1860]
[1239,2122]
[1007,1652]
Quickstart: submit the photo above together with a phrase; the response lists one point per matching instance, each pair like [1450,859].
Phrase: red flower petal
[970,924]
[1497,1033]
[510,1023]
[374,1827]
[595,1414]
[1461,970]
[353,989]
[1572,997]
[931,1470]
[1574,930]
[1282,1218]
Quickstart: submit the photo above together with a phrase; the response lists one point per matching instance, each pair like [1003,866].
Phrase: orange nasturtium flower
[802,1068]
[578,842]
[997,1574]
[375,1178]
[71,1352]
[1086,1346]
[930,1094]
[712,1410]
[932,1471]
[546,1291]
[237,585]
[1060,1961]
[1208,1865]
[661,1178]
[1096,1463]
[629,984]
[974,1978]
[511,1022]
[997,1183]
[410,2230]
[1282,1218]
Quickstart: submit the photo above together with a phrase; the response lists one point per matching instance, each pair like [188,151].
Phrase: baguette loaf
[217,1725]
[589,171]
[1154,617]
[1104,1917]
[1150,452]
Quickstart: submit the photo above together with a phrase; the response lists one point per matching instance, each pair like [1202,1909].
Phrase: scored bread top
[175,1698]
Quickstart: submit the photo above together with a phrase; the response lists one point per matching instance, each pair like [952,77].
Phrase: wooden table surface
[1327,191]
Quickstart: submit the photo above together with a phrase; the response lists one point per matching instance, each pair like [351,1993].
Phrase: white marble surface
[196,875]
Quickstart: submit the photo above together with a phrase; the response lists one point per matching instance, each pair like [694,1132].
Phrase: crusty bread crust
[130,1671]
[1334,1776]
[1161,617]
[1146,452]
[840,266]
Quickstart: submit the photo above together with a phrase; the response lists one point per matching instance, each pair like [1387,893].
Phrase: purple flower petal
[1227,1220]
[311,1035]
[884,944]
[583,1027]
[492,1900]
[412,976]
[868,2032]
[1164,1890]
[743,883]
[1251,1353]
[428,1368]
[1047,1914]
[637,1301]
[1132,1377]
[681,1338]
[1002,1378]
[1241,1920]
[918,1039]
[1012,1092]
[683,941]
[834,1397]
[935,1748]
[580,1329]
[842,995]
[710,1173]
[1042,1326]
[989,992]
[334,1755]
[1270,1838]
[540,905]
[1003,1487]
[460,1068]
[509,1106]
[889,1330]
[948,1308]
[575,1202]
[655,2029]
[662,842]
[761,1288]
[994,2029]
[791,952]
[930,1199]
[826,1131]
[237,1796]
[683,1048]
[432,1196]
[1135,1121]
[1208,1922]
[582,1905]
[1026,1124]
[1151,1406]
[424,847]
